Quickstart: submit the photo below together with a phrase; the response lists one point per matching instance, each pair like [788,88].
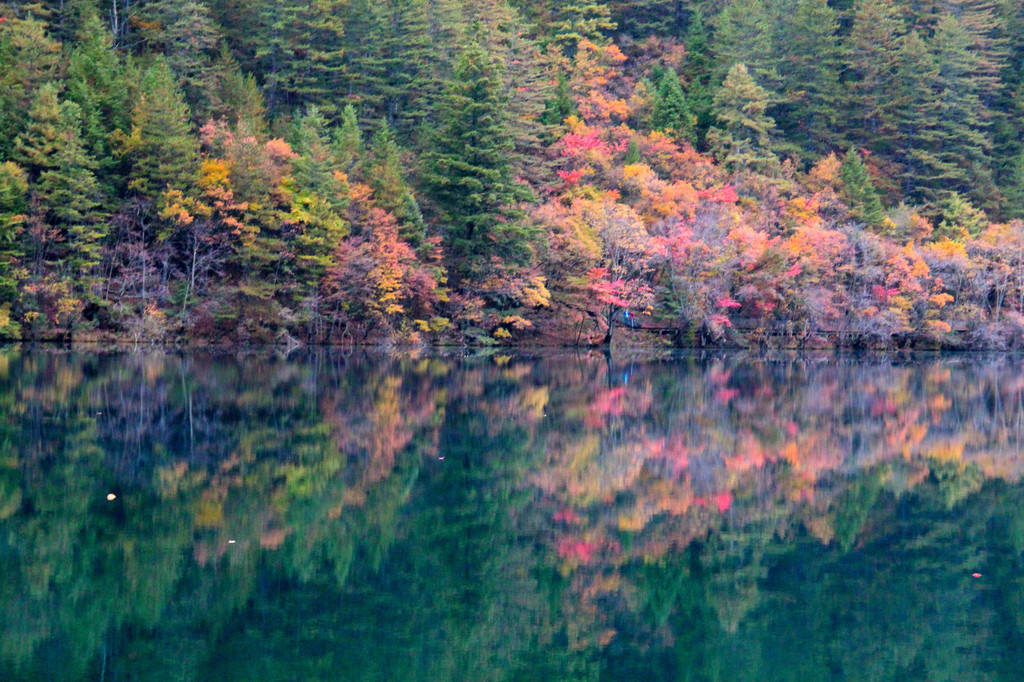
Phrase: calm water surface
[562,517]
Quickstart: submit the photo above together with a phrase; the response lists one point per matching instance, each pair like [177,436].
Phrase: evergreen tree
[743,139]
[13,205]
[64,190]
[744,35]
[237,97]
[643,18]
[671,112]
[579,20]
[468,171]
[162,149]
[872,49]
[858,191]
[100,82]
[318,170]
[809,66]
[390,53]
[303,53]
[348,141]
[191,40]
[28,59]
[698,74]
[390,189]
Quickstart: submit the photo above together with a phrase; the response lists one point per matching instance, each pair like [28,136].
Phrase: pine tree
[858,191]
[100,82]
[743,139]
[191,39]
[162,150]
[671,112]
[28,59]
[13,206]
[318,170]
[237,97]
[872,48]
[643,18]
[303,53]
[468,171]
[64,190]
[698,75]
[390,189]
[581,20]
[744,35]
[348,140]
[809,66]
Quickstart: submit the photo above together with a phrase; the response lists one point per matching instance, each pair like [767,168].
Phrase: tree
[468,172]
[100,81]
[743,139]
[744,35]
[13,205]
[858,190]
[191,39]
[671,112]
[162,150]
[28,59]
[581,20]
[385,172]
[65,193]
[809,66]
[872,47]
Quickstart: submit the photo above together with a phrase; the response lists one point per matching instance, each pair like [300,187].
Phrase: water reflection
[502,518]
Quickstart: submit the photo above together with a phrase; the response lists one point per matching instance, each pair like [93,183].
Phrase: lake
[563,516]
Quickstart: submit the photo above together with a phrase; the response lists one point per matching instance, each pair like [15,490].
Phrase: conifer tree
[743,35]
[100,81]
[858,191]
[698,75]
[872,49]
[671,112]
[348,140]
[579,20]
[468,171]
[390,189]
[643,18]
[161,150]
[13,206]
[318,170]
[64,190]
[28,59]
[237,97]
[191,39]
[809,66]
[743,138]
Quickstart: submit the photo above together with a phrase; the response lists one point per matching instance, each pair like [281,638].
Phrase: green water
[562,517]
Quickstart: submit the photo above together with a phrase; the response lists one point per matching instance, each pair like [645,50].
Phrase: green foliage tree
[809,67]
[100,81]
[468,173]
[28,59]
[13,206]
[581,20]
[391,191]
[671,112]
[162,149]
[858,190]
[743,139]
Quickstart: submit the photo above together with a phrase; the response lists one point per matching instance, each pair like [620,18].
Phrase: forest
[795,173]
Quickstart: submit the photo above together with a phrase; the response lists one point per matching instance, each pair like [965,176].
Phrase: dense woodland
[792,172]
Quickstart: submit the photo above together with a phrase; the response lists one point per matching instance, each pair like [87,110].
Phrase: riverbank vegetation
[791,172]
